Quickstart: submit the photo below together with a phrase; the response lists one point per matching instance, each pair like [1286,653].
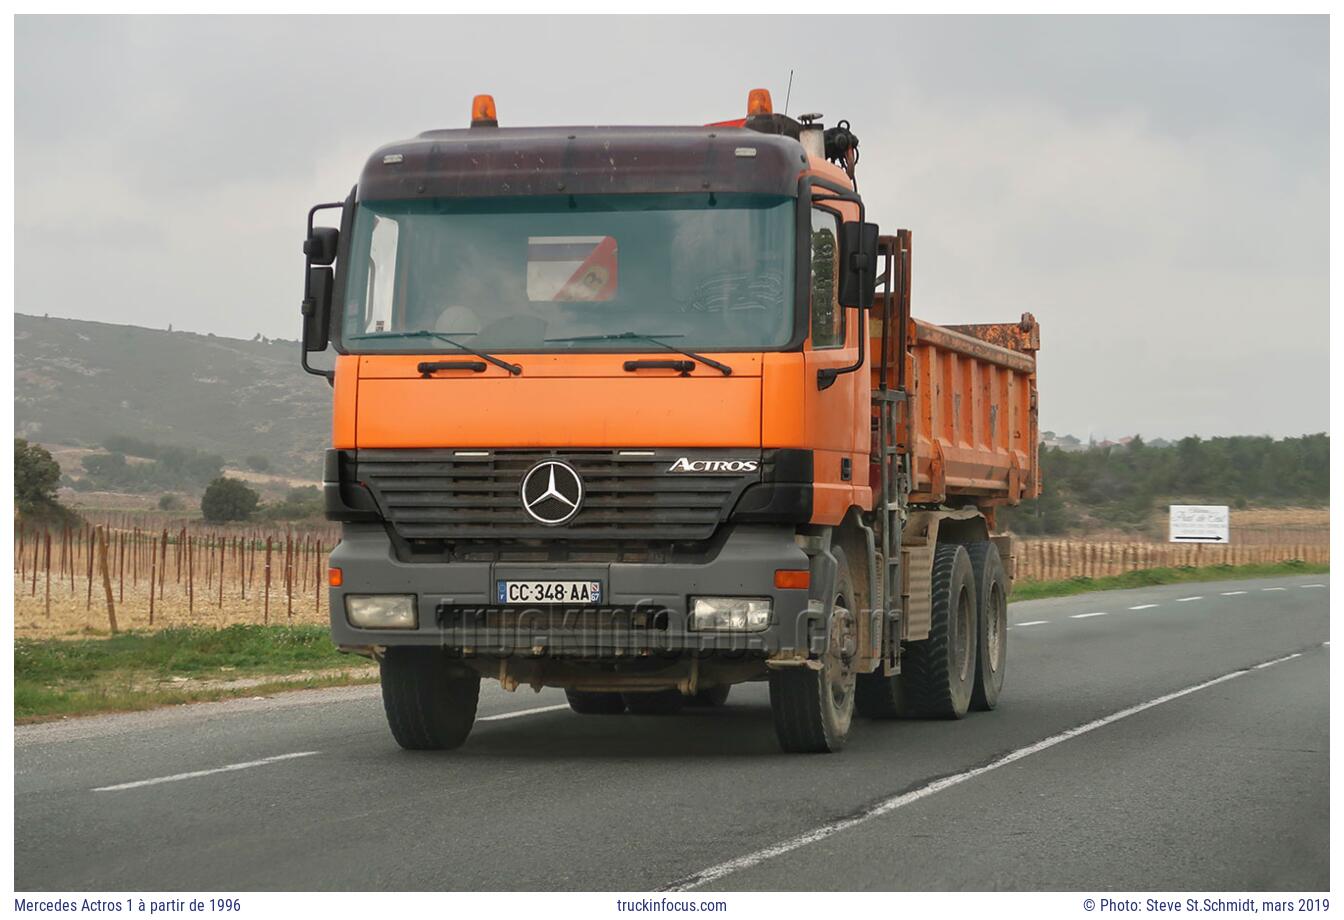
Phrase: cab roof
[483,162]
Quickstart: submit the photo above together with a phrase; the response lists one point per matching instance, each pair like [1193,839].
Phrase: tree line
[1121,486]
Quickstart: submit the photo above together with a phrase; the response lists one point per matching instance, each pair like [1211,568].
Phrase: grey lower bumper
[643,612]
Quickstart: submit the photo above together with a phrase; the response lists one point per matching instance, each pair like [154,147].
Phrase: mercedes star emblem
[552,492]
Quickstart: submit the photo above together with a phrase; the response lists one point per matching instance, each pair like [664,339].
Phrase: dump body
[970,425]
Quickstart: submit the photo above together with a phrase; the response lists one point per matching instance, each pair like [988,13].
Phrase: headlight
[739,613]
[381,611]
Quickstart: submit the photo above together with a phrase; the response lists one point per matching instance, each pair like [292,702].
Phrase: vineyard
[140,572]
[122,572]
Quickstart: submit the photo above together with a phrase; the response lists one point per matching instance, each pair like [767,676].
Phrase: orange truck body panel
[970,421]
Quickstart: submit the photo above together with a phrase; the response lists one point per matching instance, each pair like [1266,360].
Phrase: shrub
[228,499]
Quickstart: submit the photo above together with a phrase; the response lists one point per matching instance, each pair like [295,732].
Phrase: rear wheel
[658,703]
[595,704]
[991,590]
[938,673]
[710,696]
[430,701]
[813,709]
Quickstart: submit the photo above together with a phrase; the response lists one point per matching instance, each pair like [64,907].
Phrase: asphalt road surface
[1172,737]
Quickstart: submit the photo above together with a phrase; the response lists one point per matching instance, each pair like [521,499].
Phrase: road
[1137,747]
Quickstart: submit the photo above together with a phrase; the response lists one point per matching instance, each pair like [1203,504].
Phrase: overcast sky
[1154,190]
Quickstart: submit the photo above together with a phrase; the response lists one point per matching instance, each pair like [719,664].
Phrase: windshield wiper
[430,333]
[657,340]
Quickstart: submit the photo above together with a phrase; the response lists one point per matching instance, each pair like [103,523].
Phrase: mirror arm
[827,375]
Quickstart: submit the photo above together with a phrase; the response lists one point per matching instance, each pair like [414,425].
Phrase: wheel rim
[965,623]
[994,634]
[839,672]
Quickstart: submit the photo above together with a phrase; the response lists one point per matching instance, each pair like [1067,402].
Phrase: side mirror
[858,264]
[317,309]
[320,247]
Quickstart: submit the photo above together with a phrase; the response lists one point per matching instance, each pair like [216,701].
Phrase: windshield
[555,274]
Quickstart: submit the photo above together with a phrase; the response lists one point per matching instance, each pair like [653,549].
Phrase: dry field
[128,572]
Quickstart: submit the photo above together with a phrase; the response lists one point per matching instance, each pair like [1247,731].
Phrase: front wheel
[430,701]
[813,709]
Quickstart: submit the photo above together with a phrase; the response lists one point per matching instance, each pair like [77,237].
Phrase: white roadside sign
[1199,524]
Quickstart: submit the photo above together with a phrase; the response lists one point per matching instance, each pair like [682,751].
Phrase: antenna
[788,92]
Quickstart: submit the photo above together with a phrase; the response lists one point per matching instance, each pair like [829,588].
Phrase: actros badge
[552,492]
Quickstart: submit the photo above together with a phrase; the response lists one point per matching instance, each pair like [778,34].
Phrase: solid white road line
[1032,623]
[523,712]
[887,806]
[1197,597]
[1084,616]
[1232,593]
[1311,586]
[1273,589]
[195,773]
[1143,607]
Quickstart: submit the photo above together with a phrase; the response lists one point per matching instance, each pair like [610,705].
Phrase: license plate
[549,592]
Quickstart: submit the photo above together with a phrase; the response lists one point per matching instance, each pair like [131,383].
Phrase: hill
[77,383]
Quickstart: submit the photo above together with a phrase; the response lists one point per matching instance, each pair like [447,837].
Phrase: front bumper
[643,612]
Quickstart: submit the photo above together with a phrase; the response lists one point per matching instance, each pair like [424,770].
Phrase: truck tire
[430,702]
[657,703]
[938,673]
[710,696]
[595,704]
[813,709]
[991,591]
[877,696]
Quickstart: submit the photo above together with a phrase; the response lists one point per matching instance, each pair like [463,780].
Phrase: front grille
[451,495]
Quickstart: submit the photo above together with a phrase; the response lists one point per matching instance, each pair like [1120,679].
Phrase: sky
[1153,189]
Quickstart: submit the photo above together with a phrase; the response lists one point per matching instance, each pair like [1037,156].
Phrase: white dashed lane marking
[1033,623]
[1197,597]
[1273,589]
[1232,593]
[1311,586]
[195,773]
[523,712]
[1143,607]
[1084,616]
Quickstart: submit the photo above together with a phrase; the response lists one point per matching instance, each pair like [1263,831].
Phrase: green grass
[54,677]
[1032,590]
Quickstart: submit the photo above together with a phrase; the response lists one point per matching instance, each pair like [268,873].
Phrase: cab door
[836,428]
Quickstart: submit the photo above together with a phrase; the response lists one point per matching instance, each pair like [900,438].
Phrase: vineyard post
[121,568]
[223,543]
[88,601]
[37,550]
[163,562]
[153,574]
[191,587]
[289,577]
[47,599]
[317,576]
[107,580]
[266,605]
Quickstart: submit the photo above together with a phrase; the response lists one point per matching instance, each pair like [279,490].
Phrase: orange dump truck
[641,413]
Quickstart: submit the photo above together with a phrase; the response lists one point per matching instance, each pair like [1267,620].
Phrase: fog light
[381,611]
[740,613]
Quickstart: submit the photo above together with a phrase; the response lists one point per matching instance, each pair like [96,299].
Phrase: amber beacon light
[483,112]
[758,102]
